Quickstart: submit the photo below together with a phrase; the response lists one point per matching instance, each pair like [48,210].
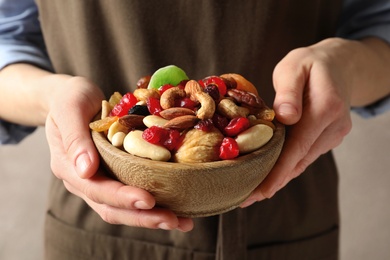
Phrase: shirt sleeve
[363,18]
[20,41]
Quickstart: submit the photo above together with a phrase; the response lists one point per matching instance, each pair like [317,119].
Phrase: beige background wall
[363,160]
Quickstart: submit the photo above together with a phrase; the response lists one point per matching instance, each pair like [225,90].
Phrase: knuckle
[106,214]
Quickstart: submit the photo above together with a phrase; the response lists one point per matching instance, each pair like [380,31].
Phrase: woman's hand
[74,159]
[313,95]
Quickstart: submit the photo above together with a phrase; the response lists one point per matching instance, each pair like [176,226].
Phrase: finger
[156,218]
[289,79]
[104,190]
[299,140]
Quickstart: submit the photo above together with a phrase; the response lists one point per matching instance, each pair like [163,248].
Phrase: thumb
[289,80]
[72,117]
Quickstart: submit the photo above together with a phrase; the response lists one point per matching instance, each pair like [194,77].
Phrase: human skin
[315,88]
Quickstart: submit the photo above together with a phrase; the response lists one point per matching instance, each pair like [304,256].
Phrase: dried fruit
[228,149]
[154,106]
[241,82]
[216,81]
[236,126]
[122,108]
[205,125]
[104,124]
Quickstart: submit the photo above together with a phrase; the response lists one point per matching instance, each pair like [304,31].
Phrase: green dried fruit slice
[170,74]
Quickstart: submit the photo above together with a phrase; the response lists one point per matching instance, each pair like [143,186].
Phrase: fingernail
[287,109]
[141,205]
[164,226]
[247,203]
[82,163]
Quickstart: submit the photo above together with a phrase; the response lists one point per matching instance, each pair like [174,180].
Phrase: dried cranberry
[236,126]
[169,138]
[155,135]
[173,140]
[228,149]
[128,100]
[187,103]
[154,106]
[205,125]
[220,122]
[182,83]
[218,81]
[165,87]
[118,110]
[125,104]
[213,91]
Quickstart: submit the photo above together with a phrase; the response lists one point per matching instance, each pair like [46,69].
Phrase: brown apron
[115,42]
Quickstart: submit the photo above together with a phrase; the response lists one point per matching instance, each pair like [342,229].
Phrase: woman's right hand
[73,103]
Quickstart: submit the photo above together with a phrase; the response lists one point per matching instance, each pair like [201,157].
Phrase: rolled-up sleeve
[20,41]
[367,18]
[20,34]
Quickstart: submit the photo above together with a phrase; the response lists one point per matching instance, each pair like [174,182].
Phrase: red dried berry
[154,106]
[205,125]
[215,80]
[169,138]
[165,87]
[220,122]
[182,84]
[173,140]
[155,135]
[125,104]
[213,91]
[236,126]
[186,103]
[228,149]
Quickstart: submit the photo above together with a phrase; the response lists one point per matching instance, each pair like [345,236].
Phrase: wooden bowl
[193,189]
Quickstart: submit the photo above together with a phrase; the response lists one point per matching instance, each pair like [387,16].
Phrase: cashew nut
[207,105]
[115,128]
[117,139]
[169,96]
[253,138]
[230,110]
[142,94]
[136,145]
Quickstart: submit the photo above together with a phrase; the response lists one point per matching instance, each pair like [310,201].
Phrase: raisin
[139,110]
[213,91]
[220,122]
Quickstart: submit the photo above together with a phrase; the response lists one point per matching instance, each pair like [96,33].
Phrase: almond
[132,121]
[182,122]
[173,112]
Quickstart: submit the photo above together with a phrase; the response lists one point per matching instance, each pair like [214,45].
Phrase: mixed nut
[216,118]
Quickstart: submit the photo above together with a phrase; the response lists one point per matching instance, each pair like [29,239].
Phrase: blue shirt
[21,41]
